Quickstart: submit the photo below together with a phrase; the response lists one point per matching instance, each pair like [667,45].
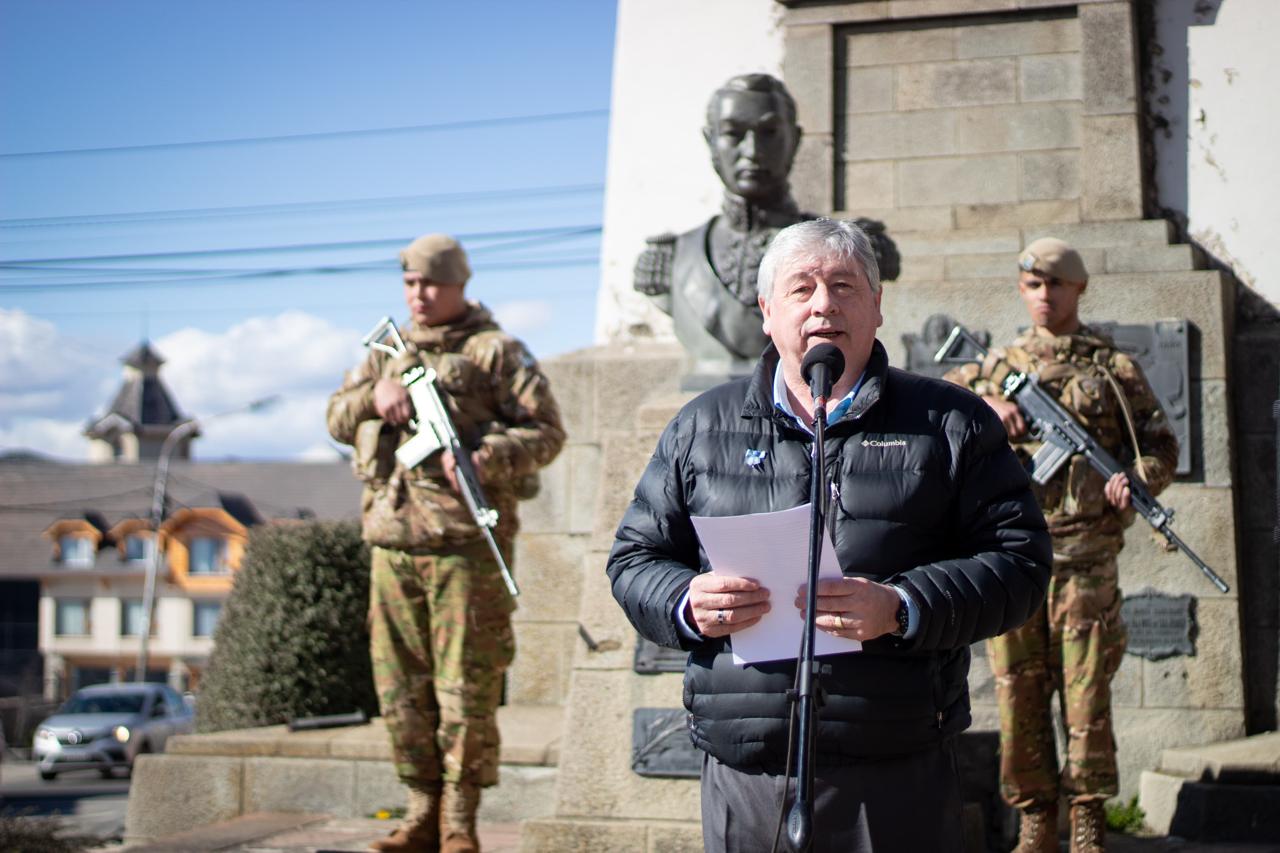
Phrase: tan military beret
[437,256]
[1052,257]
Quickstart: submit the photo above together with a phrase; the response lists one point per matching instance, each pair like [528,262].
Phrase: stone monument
[970,128]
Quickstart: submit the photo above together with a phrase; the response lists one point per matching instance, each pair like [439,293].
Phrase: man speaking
[938,537]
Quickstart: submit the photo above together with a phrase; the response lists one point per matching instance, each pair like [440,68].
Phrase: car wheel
[105,773]
[48,775]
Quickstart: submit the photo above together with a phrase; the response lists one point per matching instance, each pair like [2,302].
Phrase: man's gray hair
[815,240]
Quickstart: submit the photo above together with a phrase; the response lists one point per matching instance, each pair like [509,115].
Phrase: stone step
[1209,811]
[1250,760]
[1121,234]
[1228,791]
[1115,260]
[344,772]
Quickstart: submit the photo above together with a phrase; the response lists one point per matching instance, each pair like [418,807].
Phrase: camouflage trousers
[440,640]
[1071,646]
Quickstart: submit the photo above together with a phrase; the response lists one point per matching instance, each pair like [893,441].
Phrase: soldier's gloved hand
[391,401]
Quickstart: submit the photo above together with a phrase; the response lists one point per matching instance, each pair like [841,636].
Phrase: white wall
[173,616]
[669,56]
[1217,165]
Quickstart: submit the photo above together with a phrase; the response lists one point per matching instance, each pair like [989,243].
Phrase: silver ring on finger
[719,617]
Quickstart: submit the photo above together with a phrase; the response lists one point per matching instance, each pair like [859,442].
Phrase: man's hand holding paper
[750,554]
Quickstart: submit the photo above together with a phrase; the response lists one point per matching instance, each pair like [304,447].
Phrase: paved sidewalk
[294,833]
[284,833]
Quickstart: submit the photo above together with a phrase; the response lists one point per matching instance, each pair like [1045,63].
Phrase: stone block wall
[932,116]
[599,392]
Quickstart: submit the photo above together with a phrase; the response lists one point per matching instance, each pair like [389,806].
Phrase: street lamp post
[171,442]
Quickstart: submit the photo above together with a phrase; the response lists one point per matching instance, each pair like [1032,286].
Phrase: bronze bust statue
[706,278]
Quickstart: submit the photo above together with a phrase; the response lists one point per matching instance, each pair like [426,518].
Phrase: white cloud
[289,354]
[50,387]
[293,426]
[320,452]
[46,436]
[524,316]
[43,374]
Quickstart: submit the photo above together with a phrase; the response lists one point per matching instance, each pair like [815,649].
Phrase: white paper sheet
[771,548]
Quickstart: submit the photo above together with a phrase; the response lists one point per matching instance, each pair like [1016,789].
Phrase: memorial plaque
[1162,352]
[923,347]
[660,745]
[1160,626]
[652,658]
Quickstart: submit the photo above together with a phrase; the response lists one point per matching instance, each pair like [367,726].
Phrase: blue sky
[521,179]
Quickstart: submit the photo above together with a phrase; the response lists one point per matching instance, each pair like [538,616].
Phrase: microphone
[821,367]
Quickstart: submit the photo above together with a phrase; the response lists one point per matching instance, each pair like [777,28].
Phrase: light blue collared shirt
[837,413]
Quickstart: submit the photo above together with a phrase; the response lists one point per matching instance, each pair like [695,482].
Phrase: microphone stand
[809,692]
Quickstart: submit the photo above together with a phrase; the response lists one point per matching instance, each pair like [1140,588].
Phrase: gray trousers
[904,804]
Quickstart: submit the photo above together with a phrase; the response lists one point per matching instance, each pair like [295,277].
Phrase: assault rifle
[1062,437]
[435,432]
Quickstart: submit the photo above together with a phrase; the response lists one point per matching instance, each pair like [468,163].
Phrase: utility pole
[171,443]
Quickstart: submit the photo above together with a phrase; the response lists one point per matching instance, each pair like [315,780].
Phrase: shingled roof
[142,401]
[35,492]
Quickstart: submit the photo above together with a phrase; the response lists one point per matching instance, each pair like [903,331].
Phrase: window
[71,617]
[208,556]
[204,619]
[76,550]
[131,618]
[137,549]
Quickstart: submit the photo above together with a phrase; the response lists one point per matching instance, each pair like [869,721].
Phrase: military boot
[1038,829]
[420,830]
[458,818]
[1088,827]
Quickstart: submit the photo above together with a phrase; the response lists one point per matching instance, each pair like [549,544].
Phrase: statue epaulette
[887,257]
[653,267]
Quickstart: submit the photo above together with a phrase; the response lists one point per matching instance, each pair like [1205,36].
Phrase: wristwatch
[904,617]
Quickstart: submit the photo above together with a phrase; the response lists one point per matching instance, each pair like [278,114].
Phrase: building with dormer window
[78,538]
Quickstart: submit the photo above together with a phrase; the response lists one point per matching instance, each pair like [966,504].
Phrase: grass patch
[1125,818]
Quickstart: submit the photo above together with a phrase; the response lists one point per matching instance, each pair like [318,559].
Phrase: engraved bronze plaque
[652,658]
[1160,626]
[660,745]
[1162,352]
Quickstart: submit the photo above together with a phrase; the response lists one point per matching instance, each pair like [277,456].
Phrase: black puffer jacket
[930,497]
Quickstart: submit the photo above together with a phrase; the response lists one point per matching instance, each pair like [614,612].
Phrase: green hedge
[293,638]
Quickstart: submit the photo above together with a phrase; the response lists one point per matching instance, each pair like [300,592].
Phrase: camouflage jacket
[1074,369]
[501,406]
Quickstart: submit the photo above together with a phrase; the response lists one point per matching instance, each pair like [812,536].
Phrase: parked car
[107,726]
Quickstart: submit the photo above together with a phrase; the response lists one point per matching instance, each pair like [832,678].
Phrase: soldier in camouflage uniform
[440,613]
[1074,644]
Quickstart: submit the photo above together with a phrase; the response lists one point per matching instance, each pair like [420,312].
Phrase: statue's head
[752,133]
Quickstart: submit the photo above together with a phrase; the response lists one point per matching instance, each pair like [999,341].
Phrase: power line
[536,118]
[302,247]
[252,275]
[559,235]
[293,207]
[550,293]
